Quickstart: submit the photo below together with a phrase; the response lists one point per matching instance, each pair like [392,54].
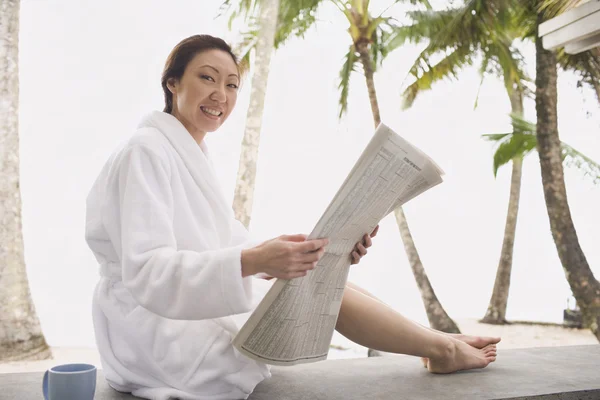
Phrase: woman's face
[206,93]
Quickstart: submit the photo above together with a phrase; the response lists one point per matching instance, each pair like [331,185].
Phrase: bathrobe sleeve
[176,284]
[241,236]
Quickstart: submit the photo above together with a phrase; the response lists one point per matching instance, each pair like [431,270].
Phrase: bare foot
[460,356]
[479,342]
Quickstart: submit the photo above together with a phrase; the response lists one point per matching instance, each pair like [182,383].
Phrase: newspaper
[295,321]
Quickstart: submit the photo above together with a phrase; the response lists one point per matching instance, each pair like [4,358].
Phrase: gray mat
[551,373]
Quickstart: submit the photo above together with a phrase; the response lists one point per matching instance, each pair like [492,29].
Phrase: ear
[172,85]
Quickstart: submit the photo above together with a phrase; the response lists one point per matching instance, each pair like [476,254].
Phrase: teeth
[211,111]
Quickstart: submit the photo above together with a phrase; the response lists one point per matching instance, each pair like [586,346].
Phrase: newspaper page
[295,321]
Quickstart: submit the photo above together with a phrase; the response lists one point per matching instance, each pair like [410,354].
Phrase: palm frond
[512,146]
[510,64]
[478,26]
[524,19]
[520,142]
[427,74]
[345,73]
[473,23]
[243,48]
[552,8]
[380,30]
[376,49]
[575,159]
[482,72]
[521,125]
[425,26]
[426,3]
[586,65]
[294,19]
[244,9]
[523,140]
[495,137]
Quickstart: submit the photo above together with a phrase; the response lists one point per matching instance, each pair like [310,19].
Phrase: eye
[233,86]
[207,77]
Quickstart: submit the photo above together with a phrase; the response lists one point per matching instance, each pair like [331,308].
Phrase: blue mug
[70,382]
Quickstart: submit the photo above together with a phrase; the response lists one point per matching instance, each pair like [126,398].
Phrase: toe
[490,351]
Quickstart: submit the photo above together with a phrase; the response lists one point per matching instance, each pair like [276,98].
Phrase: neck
[197,134]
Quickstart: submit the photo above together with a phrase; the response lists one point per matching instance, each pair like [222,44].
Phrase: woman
[177,270]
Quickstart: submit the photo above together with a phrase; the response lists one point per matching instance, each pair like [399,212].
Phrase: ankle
[445,348]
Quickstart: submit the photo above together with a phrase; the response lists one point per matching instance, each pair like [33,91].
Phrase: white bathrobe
[169,251]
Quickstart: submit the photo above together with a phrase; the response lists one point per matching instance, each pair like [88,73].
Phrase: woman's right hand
[285,257]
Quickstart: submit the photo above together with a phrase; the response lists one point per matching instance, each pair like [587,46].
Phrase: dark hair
[182,54]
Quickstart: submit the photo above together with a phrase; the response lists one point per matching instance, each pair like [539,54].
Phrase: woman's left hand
[361,247]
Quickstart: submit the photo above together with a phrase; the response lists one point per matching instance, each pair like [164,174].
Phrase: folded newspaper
[295,321]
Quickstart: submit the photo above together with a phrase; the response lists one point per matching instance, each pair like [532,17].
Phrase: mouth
[211,112]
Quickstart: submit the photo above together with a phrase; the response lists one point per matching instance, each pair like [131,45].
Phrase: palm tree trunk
[244,188]
[437,316]
[584,285]
[496,311]
[21,337]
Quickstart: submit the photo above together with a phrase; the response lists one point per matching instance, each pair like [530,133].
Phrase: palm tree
[585,287]
[369,46]
[461,35]
[263,42]
[486,28]
[21,337]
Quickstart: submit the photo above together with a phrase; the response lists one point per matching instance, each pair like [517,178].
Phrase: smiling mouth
[211,112]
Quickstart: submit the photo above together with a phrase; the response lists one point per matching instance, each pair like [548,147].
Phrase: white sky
[90,70]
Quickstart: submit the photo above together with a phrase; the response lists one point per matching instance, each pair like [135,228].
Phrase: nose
[219,94]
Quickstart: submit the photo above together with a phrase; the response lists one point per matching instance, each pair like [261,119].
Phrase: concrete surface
[545,373]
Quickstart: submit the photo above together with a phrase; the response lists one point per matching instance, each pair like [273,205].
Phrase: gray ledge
[543,373]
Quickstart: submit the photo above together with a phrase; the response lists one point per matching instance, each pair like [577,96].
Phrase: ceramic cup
[70,382]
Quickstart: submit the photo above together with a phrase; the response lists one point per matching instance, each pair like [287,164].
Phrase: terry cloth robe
[171,285]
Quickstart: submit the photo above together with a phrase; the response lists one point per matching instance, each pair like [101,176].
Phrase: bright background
[90,70]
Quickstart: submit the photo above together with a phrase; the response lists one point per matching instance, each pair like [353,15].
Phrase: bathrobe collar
[195,157]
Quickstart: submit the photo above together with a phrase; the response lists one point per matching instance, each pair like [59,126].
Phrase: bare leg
[476,341]
[372,324]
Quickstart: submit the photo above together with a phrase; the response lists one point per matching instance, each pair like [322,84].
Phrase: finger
[307,266]
[374,233]
[361,249]
[298,274]
[312,256]
[355,257]
[312,245]
[367,241]
[299,237]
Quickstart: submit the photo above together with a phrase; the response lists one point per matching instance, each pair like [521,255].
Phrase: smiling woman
[179,274]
